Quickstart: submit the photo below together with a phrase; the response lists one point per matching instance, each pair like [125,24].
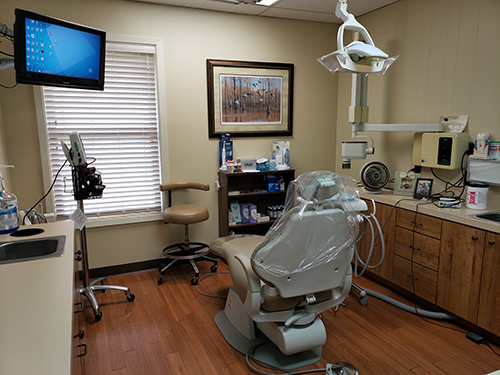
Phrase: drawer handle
[414,222]
[414,248]
[475,238]
[80,334]
[85,352]
[491,242]
[412,278]
[82,307]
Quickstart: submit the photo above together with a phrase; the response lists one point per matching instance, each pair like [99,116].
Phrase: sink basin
[41,248]
[493,216]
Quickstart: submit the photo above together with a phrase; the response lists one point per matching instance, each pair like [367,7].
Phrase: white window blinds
[118,127]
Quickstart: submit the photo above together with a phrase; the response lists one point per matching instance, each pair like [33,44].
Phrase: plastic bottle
[9,217]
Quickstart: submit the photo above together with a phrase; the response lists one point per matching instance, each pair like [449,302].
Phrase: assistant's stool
[185,214]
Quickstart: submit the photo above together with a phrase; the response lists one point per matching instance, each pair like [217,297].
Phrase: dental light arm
[361,58]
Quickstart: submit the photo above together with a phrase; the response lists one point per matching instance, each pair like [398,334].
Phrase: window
[119,127]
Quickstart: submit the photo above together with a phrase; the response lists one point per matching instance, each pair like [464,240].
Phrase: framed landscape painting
[249,99]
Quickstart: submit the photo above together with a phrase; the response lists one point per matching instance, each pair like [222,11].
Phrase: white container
[477,195]
[495,150]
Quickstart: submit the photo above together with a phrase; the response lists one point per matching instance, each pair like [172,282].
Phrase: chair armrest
[253,281]
[184,185]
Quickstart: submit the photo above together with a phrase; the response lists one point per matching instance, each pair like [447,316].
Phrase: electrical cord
[42,198]
[204,277]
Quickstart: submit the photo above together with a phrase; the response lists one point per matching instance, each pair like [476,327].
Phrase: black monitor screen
[53,52]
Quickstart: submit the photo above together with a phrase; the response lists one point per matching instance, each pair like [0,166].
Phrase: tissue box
[245,213]
[235,210]
[273,186]
[253,213]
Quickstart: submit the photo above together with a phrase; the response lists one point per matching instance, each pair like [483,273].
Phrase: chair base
[192,251]
[267,352]
[88,291]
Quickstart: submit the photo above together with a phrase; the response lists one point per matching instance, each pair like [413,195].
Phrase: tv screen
[53,52]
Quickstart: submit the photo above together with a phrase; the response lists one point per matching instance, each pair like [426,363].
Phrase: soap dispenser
[9,218]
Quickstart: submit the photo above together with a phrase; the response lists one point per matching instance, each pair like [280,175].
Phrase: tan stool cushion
[185,214]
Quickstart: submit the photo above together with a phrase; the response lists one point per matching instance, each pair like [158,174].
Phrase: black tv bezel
[45,79]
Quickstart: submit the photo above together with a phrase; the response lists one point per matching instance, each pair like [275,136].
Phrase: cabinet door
[382,214]
[489,300]
[460,266]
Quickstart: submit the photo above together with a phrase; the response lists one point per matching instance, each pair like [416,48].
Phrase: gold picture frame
[249,99]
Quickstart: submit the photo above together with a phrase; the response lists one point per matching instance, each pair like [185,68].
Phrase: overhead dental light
[362,57]
[358,56]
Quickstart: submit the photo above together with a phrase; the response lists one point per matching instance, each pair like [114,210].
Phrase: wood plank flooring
[170,329]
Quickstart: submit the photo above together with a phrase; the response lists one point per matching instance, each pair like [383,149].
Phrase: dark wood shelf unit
[245,182]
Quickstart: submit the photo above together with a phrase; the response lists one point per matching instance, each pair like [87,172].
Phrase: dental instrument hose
[366,263]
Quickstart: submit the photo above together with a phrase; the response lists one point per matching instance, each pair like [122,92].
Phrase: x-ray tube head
[353,150]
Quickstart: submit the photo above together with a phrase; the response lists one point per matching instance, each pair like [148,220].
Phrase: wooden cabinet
[386,218]
[460,266]
[417,247]
[489,298]
[249,187]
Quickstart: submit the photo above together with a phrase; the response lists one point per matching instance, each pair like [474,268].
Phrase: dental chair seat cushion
[229,246]
[185,214]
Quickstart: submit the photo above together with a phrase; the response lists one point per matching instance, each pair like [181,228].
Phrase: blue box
[253,213]
[245,213]
[273,186]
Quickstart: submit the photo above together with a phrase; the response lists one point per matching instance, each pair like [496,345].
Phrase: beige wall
[448,65]
[189,38]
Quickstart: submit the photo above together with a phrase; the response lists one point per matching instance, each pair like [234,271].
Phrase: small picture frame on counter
[405,182]
[423,188]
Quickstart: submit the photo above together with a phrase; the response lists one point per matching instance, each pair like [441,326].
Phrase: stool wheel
[160,280]
[194,280]
[213,268]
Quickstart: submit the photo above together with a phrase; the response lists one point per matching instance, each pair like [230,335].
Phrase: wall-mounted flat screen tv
[52,52]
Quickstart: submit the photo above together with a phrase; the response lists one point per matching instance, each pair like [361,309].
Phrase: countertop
[457,215]
[36,309]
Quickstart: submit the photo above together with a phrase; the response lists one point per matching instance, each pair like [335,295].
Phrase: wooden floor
[170,329]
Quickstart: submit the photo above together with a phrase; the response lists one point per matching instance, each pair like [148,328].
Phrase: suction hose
[414,310]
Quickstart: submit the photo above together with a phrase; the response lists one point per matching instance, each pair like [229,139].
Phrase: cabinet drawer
[425,249]
[424,224]
[424,278]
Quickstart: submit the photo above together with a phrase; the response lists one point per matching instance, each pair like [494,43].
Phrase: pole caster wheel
[160,280]
[194,280]
[98,316]
[213,268]
[130,297]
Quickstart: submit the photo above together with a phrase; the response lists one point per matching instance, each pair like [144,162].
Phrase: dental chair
[284,280]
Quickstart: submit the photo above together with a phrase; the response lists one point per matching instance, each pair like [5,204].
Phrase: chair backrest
[311,248]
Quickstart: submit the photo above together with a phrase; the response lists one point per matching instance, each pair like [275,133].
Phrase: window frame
[161,105]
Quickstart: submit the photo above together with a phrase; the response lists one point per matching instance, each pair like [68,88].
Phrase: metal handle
[412,278]
[80,334]
[414,222]
[414,248]
[491,242]
[81,308]
[85,353]
[475,238]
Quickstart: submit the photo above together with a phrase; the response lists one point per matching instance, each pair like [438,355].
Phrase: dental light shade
[356,57]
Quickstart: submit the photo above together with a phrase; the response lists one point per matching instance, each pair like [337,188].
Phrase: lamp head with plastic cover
[356,57]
